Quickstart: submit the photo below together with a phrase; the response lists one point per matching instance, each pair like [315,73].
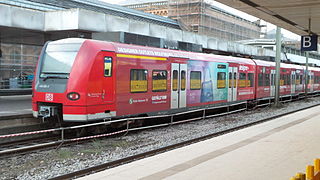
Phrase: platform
[275,150]
[15,105]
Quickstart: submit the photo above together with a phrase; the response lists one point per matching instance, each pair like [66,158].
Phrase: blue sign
[309,43]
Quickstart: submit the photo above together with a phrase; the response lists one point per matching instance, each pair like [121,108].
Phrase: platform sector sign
[309,43]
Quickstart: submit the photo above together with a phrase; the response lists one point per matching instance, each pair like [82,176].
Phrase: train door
[178,85]
[293,82]
[232,89]
[273,82]
[311,79]
[108,87]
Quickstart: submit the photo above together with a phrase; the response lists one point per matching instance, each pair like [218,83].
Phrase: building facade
[159,7]
[201,17]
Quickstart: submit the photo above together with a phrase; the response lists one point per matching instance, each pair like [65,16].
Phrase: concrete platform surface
[275,150]
[15,105]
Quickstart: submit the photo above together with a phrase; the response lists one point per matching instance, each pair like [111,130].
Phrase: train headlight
[73,96]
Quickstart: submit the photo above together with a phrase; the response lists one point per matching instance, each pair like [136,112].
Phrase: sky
[269,27]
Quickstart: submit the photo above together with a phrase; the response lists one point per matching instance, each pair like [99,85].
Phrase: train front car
[69,82]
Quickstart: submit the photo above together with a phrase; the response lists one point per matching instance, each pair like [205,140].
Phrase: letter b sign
[309,43]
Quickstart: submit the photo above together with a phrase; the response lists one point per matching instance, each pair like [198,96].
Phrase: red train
[83,80]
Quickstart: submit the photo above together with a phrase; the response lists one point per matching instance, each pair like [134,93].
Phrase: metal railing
[171,120]
[16,83]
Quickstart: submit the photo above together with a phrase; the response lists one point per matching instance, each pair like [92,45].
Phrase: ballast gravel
[52,163]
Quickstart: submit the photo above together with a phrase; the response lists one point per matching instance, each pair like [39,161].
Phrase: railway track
[63,138]
[129,159]
[64,135]
[50,138]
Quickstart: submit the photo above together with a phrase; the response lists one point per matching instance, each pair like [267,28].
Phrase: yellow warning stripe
[141,57]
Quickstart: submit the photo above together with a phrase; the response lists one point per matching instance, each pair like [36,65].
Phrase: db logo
[49,97]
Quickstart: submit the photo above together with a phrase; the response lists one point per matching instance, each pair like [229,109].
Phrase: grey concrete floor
[12,105]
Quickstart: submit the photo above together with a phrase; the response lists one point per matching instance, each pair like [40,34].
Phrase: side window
[267,80]
[221,80]
[235,79]
[107,66]
[250,79]
[183,80]
[242,80]
[288,79]
[195,80]
[281,79]
[138,80]
[159,80]
[292,79]
[175,80]
[297,79]
[260,79]
[230,80]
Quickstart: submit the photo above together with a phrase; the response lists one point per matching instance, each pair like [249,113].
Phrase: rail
[169,120]
[107,165]
[312,172]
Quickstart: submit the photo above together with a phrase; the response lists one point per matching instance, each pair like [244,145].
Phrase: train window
[235,79]
[297,79]
[260,79]
[250,80]
[288,79]
[159,80]
[266,79]
[281,79]
[292,79]
[242,80]
[195,80]
[107,66]
[221,80]
[175,80]
[138,80]
[301,78]
[230,80]
[272,80]
[183,80]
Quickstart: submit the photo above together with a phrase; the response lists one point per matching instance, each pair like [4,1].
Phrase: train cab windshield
[58,60]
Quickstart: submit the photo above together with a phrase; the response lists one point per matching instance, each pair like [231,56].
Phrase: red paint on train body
[112,79]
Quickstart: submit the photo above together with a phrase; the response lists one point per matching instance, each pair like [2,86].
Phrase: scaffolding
[203,17]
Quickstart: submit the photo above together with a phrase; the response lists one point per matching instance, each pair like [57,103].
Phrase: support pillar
[306,74]
[278,56]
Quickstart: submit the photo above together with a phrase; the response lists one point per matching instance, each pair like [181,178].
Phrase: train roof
[152,51]
[159,52]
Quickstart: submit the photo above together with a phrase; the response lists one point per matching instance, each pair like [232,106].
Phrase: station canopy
[292,15]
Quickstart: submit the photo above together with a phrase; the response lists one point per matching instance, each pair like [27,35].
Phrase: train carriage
[83,80]
[314,80]
[265,74]
[297,79]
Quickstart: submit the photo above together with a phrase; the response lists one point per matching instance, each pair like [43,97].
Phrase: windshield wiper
[55,77]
